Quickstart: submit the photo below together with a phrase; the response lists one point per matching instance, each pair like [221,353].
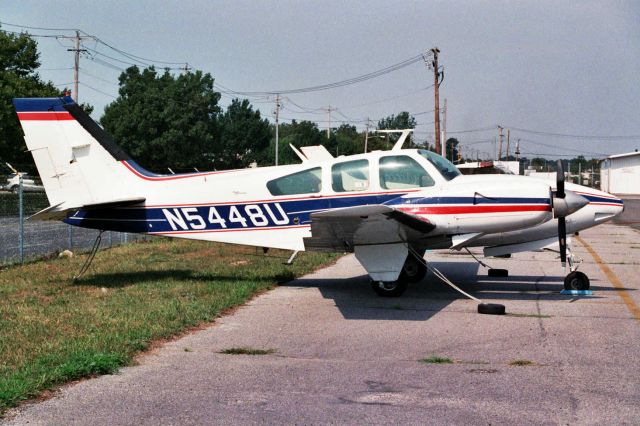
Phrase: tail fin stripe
[44,116]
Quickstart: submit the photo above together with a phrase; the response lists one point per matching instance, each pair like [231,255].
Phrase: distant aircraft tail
[79,164]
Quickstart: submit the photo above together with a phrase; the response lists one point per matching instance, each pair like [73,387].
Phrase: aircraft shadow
[357,301]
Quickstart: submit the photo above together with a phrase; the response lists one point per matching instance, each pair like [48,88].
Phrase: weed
[247,351]
[521,362]
[435,359]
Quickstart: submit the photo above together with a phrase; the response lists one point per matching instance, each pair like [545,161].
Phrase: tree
[243,135]
[348,140]
[403,120]
[166,121]
[296,133]
[19,59]
[452,149]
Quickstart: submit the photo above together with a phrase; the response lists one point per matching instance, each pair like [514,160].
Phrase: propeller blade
[562,239]
[560,180]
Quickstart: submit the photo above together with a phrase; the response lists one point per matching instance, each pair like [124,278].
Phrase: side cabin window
[305,182]
[350,176]
[402,172]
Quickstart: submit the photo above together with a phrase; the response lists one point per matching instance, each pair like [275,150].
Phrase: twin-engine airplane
[387,207]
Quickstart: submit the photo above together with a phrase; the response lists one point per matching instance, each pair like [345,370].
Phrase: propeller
[562,223]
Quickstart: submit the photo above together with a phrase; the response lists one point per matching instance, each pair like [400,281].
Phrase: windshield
[444,166]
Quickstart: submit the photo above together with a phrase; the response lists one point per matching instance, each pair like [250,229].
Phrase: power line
[567,135]
[336,84]
[482,129]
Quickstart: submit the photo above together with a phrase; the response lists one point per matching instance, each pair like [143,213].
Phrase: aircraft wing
[343,229]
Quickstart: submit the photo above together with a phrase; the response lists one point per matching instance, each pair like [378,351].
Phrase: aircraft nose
[571,203]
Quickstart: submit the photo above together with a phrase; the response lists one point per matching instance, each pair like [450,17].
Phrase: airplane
[387,207]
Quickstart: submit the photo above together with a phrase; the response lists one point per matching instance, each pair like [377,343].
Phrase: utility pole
[76,66]
[508,138]
[277,125]
[444,128]
[436,87]
[366,136]
[329,109]
[186,67]
[500,128]
[518,150]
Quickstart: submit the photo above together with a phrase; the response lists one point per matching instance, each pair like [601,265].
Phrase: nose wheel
[576,280]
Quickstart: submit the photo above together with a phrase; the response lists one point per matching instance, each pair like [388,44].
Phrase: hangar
[620,174]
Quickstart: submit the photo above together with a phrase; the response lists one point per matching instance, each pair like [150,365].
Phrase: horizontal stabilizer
[60,212]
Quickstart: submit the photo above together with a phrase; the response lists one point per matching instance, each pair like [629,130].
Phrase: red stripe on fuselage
[45,116]
[476,209]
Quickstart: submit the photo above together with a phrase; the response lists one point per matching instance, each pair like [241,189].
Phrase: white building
[620,174]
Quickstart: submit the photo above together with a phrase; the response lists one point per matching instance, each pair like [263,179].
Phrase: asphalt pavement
[343,355]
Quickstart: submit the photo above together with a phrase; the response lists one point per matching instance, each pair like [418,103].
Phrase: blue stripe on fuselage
[249,215]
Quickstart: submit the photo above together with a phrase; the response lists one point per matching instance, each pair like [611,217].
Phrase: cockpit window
[401,172]
[306,182]
[444,166]
[350,176]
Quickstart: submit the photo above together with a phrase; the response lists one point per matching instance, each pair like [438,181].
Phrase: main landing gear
[413,271]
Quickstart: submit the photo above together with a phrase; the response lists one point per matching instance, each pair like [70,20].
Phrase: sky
[561,75]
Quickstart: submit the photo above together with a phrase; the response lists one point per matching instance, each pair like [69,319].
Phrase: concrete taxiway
[344,355]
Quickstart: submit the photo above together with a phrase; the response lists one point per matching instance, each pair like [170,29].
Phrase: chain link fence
[23,240]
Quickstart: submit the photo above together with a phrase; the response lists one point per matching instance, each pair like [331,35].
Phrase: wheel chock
[577,292]
[498,272]
[491,309]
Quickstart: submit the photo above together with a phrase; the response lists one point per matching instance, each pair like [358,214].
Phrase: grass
[521,362]
[247,351]
[435,359]
[54,330]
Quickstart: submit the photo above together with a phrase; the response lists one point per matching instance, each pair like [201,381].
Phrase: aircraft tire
[576,280]
[413,270]
[491,309]
[389,288]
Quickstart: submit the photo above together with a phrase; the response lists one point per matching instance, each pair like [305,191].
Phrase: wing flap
[343,229]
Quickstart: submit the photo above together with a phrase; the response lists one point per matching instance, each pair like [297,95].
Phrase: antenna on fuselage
[299,154]
[403,137]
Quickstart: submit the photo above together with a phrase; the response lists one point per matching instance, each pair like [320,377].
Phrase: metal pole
[500,144]
[277,125]
[70,237]
[366,136]
[21,218]
[76,68]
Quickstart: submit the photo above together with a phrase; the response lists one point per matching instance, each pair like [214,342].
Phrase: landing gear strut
[575,280]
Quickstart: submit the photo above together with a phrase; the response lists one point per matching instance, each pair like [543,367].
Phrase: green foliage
[164,120]
[403,120]
[243,136]
[296,133]
[19,60]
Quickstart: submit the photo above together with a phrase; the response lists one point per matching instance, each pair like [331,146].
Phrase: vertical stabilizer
[77,161]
